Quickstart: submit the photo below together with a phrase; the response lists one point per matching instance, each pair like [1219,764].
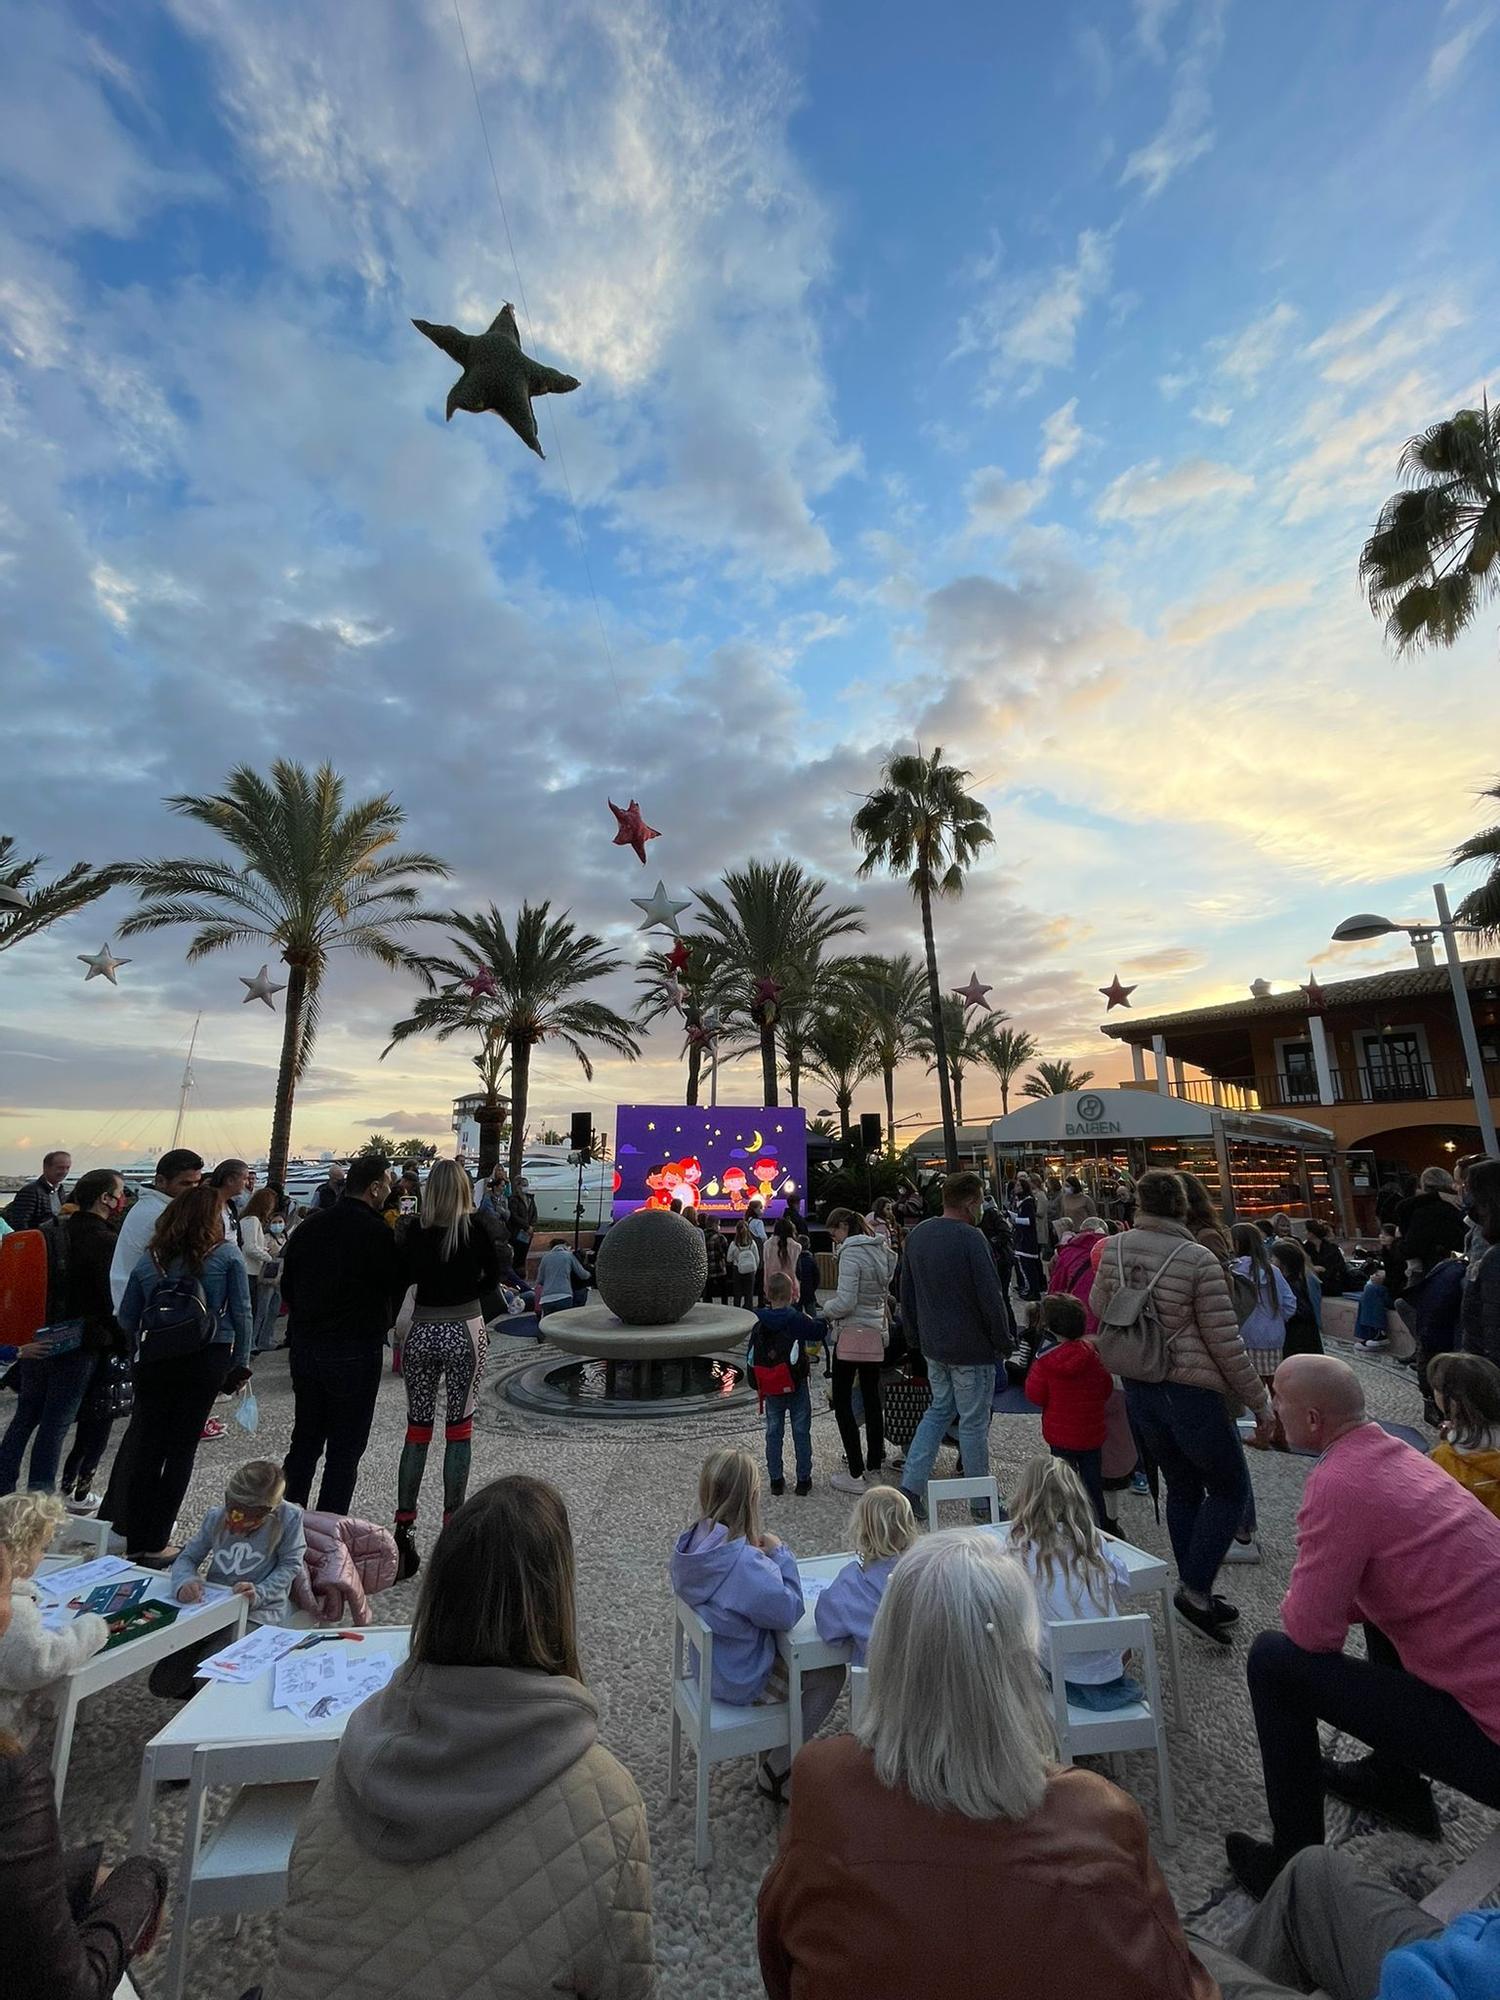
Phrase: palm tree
[892,992]
[841,1054]
[25,910]
[1009,1052]
[1434,557]
[1055,1079]
[967,1042]
[535,971]
[696,980]
[379,1143]
[768,929]
[1482,905]
[312,877]
[921,823]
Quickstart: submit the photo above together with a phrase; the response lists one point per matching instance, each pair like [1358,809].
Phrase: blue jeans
[1374,1304]
[48,1395]
[966,1393]
[267,1311]
[1191,1435]
[797,1406]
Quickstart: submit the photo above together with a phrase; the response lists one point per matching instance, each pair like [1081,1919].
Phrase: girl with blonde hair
[452,1260]
[883,1528]
[744,1583]
[252,1545]
[32,1659]
[1055,1536]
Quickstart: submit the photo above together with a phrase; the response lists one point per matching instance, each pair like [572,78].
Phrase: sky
[1025,385]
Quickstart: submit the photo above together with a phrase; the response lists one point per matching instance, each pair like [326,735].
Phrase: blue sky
[1020,380]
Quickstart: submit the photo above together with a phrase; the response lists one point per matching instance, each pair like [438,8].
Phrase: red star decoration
[766,994]
[973,994]
[1116,994]
[632,830]
[677,957]
[482,985]
[699,1037]
[1314,994]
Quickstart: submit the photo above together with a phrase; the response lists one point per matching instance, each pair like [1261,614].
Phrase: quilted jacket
[473,1842]
[1192,1299]
[348,1562]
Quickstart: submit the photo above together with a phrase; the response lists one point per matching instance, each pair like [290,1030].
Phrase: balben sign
[1086,1120]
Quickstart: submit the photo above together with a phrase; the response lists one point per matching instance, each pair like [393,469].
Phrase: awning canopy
[1105,1115]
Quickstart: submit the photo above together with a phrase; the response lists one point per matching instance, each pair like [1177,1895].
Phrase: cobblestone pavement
[629,1490]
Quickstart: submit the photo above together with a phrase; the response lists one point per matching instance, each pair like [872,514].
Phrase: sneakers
[212,1430]
[1371,1346]
[846,1482]
[84,1503]
[1208,1622]
[1252,1863]
[802,1488]
[778,1487]
[1406,1802]
[1224,1611]
[1247,1551]
[1139,1483]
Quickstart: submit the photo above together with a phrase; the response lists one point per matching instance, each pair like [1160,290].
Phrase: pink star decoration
[1116,994]
[973,994]
[631,829]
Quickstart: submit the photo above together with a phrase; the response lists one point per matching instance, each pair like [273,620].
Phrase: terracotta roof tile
[1362,992]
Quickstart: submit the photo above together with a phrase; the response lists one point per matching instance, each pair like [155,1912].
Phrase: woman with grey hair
[952,1781]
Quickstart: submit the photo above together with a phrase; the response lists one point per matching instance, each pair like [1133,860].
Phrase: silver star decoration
[662,910]
[973,994]
[675,991]
[101,965]
[260,988]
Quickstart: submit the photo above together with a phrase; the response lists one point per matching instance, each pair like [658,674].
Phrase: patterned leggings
[452,1350]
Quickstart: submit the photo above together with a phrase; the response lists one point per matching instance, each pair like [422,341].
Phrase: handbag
[860,1343]
[904,1401]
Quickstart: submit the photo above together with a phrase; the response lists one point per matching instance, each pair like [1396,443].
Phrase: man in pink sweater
[1386,1538]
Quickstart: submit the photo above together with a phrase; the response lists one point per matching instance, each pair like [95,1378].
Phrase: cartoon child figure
[765,1171]
[735,1186]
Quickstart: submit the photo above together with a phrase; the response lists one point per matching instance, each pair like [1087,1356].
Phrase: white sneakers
[845,1482]
[86,1505]
[1244,1552]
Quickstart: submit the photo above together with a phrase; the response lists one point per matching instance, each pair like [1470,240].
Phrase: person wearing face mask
[51,1387]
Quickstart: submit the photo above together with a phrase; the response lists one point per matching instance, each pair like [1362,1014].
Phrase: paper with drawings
[248,1658]
[323,1683]
[77,1579]
[812,1589]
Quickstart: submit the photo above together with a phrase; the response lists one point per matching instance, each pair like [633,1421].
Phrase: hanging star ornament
[767,992]
[260,988]
[662,910]
[1314,995]
[675,992]
[701,1034]
[677,957]
[497,375]
[631,830]
[482,985]
[973,994]
[1116,994]
[101,965]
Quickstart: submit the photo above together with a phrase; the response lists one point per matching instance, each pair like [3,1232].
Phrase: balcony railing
[1377,1083]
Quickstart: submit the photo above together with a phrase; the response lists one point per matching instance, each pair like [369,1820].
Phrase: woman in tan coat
[474,1837]
[1184,1422]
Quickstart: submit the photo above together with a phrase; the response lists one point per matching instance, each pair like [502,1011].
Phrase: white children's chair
[940,1491]
[715,1730]
[859,1694]
[1087,1732]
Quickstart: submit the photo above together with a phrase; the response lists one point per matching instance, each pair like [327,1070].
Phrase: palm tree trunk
[890,1109]
[694,1070]
[491,1123]
[845,1103]
[939,1038]
[768,1062]
[958,1097]
[520,1092]
[286,1075]
[1005,1097]
[793,1078]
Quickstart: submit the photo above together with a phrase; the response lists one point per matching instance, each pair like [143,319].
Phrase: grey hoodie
[444,1752]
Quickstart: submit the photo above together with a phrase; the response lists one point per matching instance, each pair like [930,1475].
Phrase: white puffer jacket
[863,1298]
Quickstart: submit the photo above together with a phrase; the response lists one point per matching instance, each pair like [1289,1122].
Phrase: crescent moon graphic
[756,1140]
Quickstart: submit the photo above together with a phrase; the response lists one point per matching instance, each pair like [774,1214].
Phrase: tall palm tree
[26,909]
[841,1054]
[967,1043]
[1055,1079]
[536,969]
[696,980]
[769,928]
[1434,557]
[892,993]
[311,876]
[1482,905]
[920,822]
[1009,1052]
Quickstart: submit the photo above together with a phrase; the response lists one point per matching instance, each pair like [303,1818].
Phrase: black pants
[333,1407]
[117,1492]
[1414,1729]
[172,1402]
[742,1288]
[845,1373]
[1089,1465]
[90,1442]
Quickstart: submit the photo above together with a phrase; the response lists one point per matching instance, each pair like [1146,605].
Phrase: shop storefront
[1253,1164]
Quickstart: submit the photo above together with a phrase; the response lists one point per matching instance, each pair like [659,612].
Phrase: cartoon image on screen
[711,1160]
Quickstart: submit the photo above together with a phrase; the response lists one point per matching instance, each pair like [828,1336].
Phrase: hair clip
[989,1624]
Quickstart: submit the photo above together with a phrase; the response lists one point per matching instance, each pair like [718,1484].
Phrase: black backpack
[176,1319]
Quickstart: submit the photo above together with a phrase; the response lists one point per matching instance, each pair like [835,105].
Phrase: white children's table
[194,1623]
[804,1647]
[226,1712]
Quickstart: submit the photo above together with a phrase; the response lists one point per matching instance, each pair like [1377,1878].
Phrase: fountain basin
[593,1330]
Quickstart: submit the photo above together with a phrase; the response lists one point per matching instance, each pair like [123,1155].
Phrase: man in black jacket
[41,1200]
[1432,1222]
[341,1279]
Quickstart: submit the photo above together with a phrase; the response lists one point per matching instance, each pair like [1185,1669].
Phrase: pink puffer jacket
[348,1563]
[1192,1299]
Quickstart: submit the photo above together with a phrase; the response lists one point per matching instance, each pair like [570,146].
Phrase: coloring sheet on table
[79,1578]
[248,1658]
[325,1681]
[812,1589]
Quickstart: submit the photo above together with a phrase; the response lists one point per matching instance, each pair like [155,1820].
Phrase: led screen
[714,1160]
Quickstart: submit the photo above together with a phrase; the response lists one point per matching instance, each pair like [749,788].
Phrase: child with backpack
[1054,1536]
[1072,1387]
[779,1369]
[883,1528]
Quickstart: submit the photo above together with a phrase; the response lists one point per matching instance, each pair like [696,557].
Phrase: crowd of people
[475,1785]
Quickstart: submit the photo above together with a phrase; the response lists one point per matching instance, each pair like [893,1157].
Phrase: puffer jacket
[1193,1302]
[865,1265]
[474,1841]
[348,1562]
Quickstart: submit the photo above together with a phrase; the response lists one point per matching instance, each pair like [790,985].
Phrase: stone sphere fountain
[650,1344]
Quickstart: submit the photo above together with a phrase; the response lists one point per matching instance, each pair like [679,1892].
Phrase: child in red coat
[1072,1386]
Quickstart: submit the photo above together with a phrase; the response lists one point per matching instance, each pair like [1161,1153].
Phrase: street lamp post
[1354,929]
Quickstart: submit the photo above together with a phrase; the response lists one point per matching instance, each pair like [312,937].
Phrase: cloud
[1062,434]
[417,1124]
[1146,490]
[1219,415]
[1028,324]
[1344,332]
[1247,357]
[996,502]
[1216,613]
[1151,17]
[1448,59]
[1187,131]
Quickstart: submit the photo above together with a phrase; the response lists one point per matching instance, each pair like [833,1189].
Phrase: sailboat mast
[187,1085]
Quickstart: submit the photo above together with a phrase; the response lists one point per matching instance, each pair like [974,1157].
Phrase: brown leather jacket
[62,1939]
[873,1895]
[1193,1300]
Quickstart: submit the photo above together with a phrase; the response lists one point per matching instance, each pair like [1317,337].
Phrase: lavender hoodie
[744,1597]
[846,1610]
